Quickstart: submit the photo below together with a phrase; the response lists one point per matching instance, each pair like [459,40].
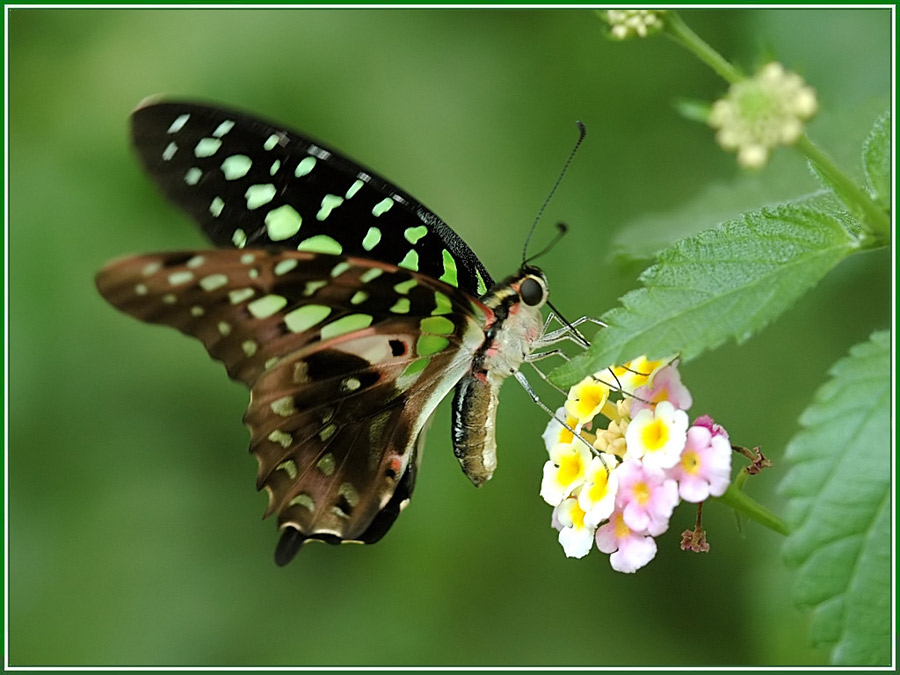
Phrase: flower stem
[679,31]
[739,501]
[876,219]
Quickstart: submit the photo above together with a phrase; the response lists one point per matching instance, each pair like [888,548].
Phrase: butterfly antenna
[581,134]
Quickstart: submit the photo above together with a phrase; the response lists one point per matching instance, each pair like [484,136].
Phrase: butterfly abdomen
[474,417]
[517,324]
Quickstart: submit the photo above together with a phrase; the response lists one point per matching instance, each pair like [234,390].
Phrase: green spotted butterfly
[348,309]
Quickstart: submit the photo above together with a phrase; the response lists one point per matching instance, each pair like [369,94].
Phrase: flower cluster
[625,23]
[761,113]
[617,486]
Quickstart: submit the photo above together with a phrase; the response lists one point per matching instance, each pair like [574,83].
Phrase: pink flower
[705,466]
[646,497]
[665,386]
[630,550]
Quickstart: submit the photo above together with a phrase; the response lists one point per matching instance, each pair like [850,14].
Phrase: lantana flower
[762,112]
[575,535]
[630,550]
[657,436]
[598,494]
[646,497]
[705,467]
[556,433]
[637,373]
[565,471]
[665,386]
[586,399]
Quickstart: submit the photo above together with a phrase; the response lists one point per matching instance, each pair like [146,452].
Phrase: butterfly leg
[534,397]
[567,331]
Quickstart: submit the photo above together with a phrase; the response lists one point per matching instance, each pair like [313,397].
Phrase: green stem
[677,29]
[875,218]
[739,501]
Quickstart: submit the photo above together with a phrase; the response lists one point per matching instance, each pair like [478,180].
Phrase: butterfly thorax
[517,324]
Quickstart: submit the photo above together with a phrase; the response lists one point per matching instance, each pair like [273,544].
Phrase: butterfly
[346,307]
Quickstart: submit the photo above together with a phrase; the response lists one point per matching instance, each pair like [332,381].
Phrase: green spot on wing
[282,223]
[405,287]
[482,286]
[207,147]
[346,324]
[304,318]
[371,274]
[285,266]
[266,306]
[340,268]
[321,243]
[329,203]
[443,305]
[415,367]
[258,195]
[271,142]
[413,234]
[449,275]
[213,281]
[193,176]
[223,128]
[382,207]
[410,261]
[428,345]
[373,236]
[353,189]
[305,166]
[439,325]
[239,238]
[401,306]
[236,166]
[178,124]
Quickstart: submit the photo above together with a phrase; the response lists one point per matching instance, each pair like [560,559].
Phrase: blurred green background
[134,529]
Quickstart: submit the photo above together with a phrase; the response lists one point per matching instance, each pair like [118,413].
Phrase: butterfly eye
[532,292]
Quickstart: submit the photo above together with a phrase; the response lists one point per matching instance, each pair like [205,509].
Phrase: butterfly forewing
[252,183]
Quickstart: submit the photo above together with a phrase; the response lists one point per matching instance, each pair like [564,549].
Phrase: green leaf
[839,490]
[724,283]
[877,161]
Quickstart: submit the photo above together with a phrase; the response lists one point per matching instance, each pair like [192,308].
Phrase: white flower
[565,471]
[597,497]
[657,436]
[576,535]
[623,23]
[763,112]
[556,433]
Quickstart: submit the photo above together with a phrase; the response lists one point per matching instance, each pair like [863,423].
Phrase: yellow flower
[586,399]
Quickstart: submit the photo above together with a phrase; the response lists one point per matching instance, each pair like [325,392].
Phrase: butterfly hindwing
[251,183]
[345,358]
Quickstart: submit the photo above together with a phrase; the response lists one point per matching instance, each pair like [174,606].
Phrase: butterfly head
[528,287]
[531,285]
